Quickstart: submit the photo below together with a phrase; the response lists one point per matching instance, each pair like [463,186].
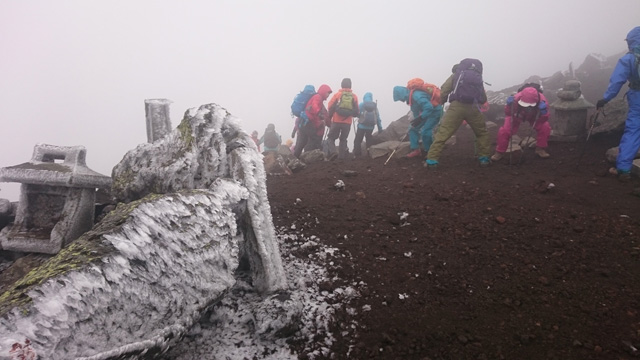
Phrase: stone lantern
[57,199]
[570,113]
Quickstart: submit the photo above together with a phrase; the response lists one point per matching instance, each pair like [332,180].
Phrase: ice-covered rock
[136,281]
[207,145]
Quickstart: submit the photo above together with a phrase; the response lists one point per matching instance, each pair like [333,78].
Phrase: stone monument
[570,113]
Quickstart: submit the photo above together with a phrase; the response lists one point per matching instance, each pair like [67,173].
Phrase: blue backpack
[300,101]
[468,86]
[368,114]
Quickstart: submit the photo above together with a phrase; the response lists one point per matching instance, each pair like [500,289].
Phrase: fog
[78,72]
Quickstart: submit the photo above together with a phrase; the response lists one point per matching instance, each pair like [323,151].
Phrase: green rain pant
[451,121]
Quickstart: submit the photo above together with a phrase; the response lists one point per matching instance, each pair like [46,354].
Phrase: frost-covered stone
[209,144]
[136,281]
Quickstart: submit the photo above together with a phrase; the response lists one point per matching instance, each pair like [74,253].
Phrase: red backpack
[419,84]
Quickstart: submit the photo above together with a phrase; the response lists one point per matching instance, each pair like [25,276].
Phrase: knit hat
[528,97]
[346,83]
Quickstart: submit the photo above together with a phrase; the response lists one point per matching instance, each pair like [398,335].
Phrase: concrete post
[158,118]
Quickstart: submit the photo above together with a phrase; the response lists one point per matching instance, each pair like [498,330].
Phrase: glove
[417,122]
[510,100]
[543,108]
[601,103]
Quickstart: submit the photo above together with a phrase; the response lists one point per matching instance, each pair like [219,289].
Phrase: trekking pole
[529,136]
[511,135]
[594,119]
[394,150]
[510,140]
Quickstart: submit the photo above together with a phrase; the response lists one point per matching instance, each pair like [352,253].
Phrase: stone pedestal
[158,118]
[570,113]
[57,199]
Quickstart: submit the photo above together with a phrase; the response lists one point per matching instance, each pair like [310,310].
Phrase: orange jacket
[335,117]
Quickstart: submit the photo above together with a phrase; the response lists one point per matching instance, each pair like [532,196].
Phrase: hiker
[426,109]
[627,69]
[528,105]
[271,139]
[255,138]
[310,131]
[464,90]
[343,106]
[368,119]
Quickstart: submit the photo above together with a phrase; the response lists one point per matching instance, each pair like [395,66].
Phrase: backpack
[368,115]
[345,106]
[271,139]
[468,86]
[300,101]
[419,84]
[634,84]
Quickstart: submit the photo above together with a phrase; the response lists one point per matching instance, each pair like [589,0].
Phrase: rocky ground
[525,261]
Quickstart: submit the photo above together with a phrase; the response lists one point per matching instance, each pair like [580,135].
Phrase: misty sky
[78,72]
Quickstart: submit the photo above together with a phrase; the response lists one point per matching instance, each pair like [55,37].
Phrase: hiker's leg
[344,134]
[414,138]
[334,132]
[630,141]
[505,133]
[301,142]
[543,130]
[357,142]
[476,120]
[368,135]
[448,126]
[427,130]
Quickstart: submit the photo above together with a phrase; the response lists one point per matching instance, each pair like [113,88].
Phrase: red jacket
[334,99]
[315,110]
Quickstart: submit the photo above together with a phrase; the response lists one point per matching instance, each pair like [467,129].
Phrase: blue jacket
[420,103]
[369,97]
[626,69]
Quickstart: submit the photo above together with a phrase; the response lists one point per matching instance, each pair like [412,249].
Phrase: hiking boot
[623,175]
[431,164]
[414,153]
[484,161]
[542,153]
[497,156]
[332,156]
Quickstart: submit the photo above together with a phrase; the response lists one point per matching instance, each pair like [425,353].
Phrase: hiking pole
[594,119]
[529,136]
[511,135]
[394,150]
[526,145]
